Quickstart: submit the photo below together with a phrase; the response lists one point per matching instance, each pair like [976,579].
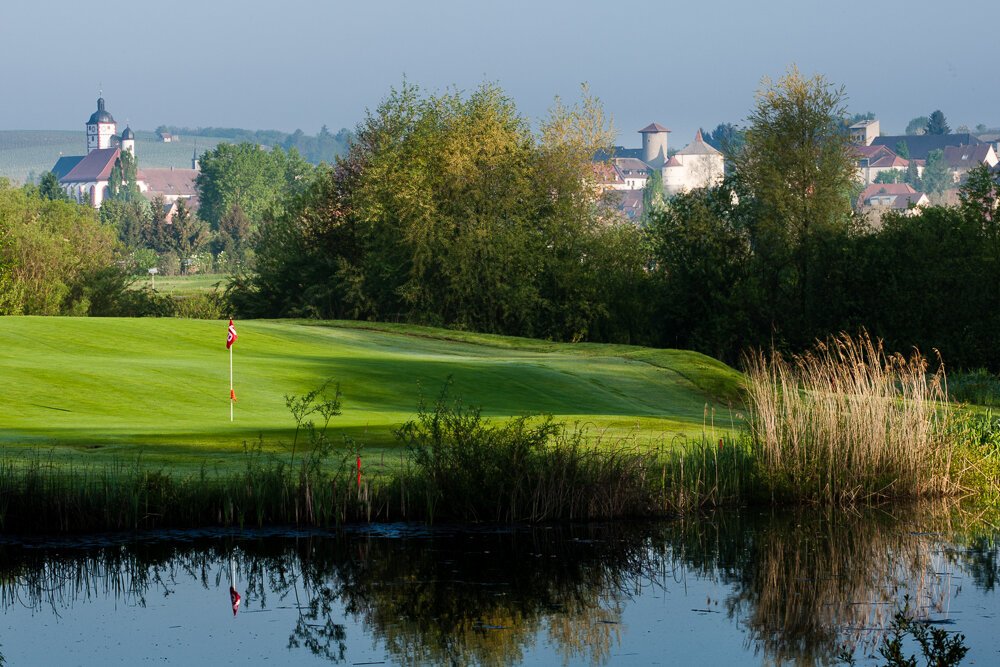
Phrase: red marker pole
[359,472]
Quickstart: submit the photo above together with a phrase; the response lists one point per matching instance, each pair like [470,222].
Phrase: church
[86,177]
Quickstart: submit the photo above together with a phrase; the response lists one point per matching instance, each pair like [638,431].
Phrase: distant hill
[30,153]
[27,154]
[321,147]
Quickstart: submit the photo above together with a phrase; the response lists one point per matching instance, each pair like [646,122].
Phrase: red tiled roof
[95,166]
[904,202]
[673,162]
[872,152]
[876,189]
[887,161]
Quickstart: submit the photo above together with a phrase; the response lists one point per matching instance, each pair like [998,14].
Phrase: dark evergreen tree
[936,176]
[49,188]
[936,123]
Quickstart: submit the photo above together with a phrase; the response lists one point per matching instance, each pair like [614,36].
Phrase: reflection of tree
[801,583]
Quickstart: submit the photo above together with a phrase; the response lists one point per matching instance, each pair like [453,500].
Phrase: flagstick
[230,383]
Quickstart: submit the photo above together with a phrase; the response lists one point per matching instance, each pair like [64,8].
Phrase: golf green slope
[95,389]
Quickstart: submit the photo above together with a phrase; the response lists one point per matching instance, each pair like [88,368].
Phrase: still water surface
[736,588]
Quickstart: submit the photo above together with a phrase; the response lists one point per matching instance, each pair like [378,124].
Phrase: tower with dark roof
[100,128]
[128,140]
[654,145]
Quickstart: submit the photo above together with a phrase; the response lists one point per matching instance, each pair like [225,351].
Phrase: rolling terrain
[95,390]
[25,153]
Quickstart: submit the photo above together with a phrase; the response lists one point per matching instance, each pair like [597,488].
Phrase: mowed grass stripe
[100,387]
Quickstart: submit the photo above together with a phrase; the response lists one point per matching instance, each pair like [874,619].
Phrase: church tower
[128,140]
[100,128]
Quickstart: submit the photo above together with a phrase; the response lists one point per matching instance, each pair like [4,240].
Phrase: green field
[92,389]
[190,285]
[26,152]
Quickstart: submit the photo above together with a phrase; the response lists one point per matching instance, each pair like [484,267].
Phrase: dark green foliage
[917,125]
[652,194]
[936,647]
[726,138]
[903,149]
[936,123]
[249,176]
[936,177]
[185,236]
[701,272]
[913,176]
[891,176]
[48,187]
[472,468]
[108,292]
[232,240]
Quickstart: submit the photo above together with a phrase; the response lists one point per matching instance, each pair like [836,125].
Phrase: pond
[747,587]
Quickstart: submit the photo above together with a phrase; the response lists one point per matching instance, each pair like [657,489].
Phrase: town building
[627,170]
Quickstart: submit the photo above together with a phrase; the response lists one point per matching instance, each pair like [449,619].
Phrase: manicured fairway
[90,389]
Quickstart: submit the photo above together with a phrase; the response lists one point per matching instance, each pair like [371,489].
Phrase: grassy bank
[564,432]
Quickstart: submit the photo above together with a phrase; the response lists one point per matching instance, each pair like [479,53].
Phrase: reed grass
[847,421]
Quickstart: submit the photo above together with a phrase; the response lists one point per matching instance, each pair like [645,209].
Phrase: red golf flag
[231,338]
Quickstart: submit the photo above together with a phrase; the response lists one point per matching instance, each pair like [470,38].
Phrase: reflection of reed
[805,584]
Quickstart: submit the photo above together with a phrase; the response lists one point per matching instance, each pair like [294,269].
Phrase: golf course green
[94,390]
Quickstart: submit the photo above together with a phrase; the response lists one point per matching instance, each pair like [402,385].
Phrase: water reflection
[798,585]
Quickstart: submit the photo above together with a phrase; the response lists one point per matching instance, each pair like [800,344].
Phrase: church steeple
[101,127]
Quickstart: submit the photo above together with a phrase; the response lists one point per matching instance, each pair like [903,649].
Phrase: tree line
[449,211]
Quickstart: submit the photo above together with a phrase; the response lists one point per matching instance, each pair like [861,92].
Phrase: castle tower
[100,128]
[128,140]
[654,145]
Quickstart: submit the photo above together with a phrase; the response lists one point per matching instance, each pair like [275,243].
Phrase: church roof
[653,127]
[101,115]
[95,166]
[128,133]
[698,147]
[65,164]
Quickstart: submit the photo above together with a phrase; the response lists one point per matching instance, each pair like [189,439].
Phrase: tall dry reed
[847,421]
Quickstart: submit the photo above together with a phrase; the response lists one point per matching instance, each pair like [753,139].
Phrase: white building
[697,165]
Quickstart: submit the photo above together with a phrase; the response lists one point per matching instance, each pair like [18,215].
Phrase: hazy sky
[300,64]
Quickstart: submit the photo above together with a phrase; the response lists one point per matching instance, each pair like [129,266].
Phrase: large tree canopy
[449,210]
[250,177]
[49,251]
[798,171]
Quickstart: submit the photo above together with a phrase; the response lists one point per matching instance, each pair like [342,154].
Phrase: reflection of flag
[231,338]
[235,597]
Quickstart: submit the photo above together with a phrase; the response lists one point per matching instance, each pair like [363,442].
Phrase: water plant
[936,647]
[848,421]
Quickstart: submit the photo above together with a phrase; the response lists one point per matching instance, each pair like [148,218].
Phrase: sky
[305,63]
